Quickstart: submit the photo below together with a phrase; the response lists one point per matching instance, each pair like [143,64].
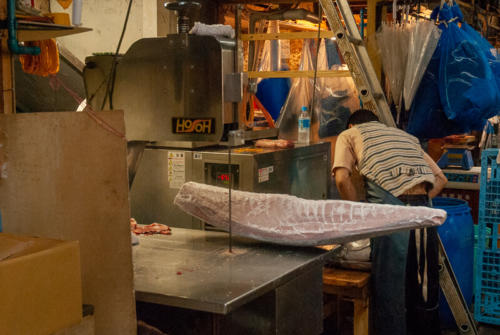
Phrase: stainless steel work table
[193,270]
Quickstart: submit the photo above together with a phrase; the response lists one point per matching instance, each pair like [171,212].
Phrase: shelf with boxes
[36,31]
[36,22]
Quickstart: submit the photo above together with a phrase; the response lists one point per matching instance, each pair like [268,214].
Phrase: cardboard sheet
[10,247]
[40,285]
[67,179]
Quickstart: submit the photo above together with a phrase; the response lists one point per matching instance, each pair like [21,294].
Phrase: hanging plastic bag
[300,95]
[335,97]
[427,118]
[467,87]
[272,92]
[474,36]
[481,42]
[486,47]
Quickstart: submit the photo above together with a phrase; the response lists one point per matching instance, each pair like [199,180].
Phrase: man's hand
[439,184]
[344,184]
[441,179]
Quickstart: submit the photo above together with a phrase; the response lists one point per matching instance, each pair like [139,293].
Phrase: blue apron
[398,305]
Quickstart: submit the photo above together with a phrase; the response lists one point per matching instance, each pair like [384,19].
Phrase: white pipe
[77,12]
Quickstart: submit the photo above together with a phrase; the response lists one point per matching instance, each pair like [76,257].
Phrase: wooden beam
[464,4]
[24,35]
[7,97]
[297,74]
[255,2]
[371,27]
[283,25]
[3,10]
[285,36]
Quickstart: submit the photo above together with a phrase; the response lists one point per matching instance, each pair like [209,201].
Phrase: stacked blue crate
[487,270]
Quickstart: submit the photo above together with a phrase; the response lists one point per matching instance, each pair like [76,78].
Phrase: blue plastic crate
[487,294]
[487,269]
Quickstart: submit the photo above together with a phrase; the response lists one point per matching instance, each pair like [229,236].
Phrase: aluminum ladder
[353,50]
[453,294]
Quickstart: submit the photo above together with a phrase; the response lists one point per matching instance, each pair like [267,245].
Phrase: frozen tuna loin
[286,219]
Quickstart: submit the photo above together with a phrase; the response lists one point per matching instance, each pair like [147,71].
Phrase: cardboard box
[40,285]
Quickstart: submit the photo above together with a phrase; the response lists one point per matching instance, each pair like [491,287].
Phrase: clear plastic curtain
[393,41]
[423,40]
[272,92]
[300,95]
[336,98]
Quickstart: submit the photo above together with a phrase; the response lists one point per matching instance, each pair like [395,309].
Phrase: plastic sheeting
[272,92]
[300,95]
[424,38]
[392,40]
[335,98]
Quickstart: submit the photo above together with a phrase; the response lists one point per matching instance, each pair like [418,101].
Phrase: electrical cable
[112,74]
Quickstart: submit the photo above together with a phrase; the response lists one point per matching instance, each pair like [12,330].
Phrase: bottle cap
[304,108]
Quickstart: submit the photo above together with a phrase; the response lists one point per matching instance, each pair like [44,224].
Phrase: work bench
[188,283]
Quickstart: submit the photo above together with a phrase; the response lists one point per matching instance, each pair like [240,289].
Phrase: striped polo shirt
[392,158]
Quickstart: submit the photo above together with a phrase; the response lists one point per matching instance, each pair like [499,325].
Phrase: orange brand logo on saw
[189,125]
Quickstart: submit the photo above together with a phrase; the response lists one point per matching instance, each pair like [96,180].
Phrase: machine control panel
[218,174]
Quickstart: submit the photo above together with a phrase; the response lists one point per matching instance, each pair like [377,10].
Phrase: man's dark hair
[361,116]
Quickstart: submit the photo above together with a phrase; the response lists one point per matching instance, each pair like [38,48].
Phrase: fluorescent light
[82,106]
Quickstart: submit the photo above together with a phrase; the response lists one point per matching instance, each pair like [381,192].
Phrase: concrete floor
[489,330]
[484,329]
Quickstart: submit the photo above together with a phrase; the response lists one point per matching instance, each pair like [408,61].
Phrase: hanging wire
[112,73]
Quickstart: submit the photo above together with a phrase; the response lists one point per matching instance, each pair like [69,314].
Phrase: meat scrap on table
[154,228]
[281,144]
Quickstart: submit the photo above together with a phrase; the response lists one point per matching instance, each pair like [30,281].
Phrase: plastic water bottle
[304,126]
[77,12]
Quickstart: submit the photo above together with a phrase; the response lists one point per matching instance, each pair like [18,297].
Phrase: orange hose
[268,116]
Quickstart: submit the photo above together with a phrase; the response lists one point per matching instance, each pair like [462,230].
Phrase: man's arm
[343,164]
[441,179]
[344,184]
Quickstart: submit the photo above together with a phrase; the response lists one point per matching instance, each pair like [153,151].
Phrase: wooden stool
[352,286]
